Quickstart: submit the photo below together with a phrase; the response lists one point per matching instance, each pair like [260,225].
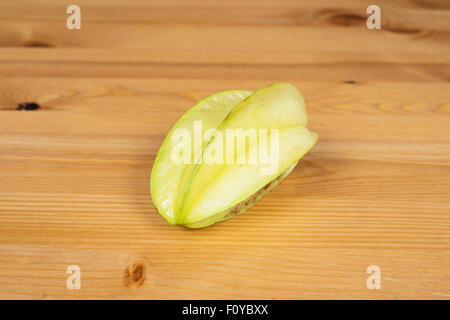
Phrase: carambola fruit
[248,144]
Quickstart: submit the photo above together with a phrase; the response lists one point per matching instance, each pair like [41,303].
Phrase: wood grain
[75,173]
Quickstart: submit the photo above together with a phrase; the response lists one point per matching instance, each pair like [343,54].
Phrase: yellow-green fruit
[198,194]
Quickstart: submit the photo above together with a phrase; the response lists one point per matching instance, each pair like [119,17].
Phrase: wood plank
[196,37]
[397,17]
[345,71]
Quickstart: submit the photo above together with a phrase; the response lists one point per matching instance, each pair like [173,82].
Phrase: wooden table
[75,173]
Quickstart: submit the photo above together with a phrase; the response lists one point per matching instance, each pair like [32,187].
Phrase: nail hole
[28,106]
[37,44]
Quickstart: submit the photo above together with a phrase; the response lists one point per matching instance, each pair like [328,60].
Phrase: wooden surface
[75,173]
